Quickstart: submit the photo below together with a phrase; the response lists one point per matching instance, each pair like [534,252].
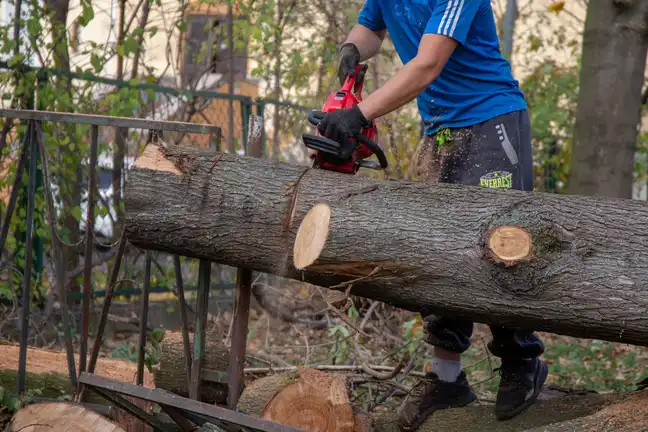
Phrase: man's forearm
[367,41]
[411,80]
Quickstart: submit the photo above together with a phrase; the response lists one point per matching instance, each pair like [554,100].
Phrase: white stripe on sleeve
[451,17]
[445,15]
[456,20]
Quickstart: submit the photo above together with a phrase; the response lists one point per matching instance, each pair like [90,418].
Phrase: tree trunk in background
[119,152]
[277,78]
[566,264]
[508,29]
[615,42]
[71,174]
[230,78]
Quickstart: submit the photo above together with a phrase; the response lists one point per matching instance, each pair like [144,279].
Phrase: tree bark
[53,416]
[119,152]
[306,399]
[564,264]
[543,415]
[615,42]
[171,373]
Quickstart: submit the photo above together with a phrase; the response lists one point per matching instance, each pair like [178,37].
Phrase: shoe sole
[421,418]
[539,385]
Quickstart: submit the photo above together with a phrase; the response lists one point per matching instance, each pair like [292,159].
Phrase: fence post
[246,111]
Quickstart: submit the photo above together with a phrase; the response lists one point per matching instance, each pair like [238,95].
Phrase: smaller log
[307,399]
[170,374]
[60,416]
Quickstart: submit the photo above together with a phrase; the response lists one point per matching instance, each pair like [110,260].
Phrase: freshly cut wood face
[311,236]
[510,243]
[316,402]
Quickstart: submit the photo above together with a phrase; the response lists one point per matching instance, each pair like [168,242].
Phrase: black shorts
[494,154]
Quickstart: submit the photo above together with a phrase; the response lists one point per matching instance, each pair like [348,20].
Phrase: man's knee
[446,333]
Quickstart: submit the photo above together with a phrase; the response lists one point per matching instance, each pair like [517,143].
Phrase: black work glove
[342,124]
[349,59]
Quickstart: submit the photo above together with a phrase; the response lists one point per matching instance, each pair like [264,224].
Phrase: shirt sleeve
[371,16]
[453,18]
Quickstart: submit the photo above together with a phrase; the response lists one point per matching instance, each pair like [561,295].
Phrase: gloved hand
[349,59]
[342,124]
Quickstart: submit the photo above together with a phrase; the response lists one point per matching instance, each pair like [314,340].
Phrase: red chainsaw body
[348,96]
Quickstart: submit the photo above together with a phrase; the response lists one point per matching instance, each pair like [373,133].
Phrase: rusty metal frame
[190,410]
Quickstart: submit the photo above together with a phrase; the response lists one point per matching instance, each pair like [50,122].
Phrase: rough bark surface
[415,246]
[60,416]
[615,42]
[541,416]
[627,415]
[171,373]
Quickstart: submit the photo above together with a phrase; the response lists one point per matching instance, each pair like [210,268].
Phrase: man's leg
[446,386]
[503,159]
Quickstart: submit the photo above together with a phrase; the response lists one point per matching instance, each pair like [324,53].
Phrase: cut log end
[153,158]
[306,399]
[510,244]
[311,236]
[59,416]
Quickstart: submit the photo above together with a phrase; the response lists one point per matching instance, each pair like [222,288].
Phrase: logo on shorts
[497,180]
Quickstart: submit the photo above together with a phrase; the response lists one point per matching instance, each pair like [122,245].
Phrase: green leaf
[95,61]
[130,45]
[153,30]
[76,212]
[87,14]
[120,50]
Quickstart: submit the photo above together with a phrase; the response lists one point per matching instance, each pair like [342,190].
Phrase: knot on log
[522,248]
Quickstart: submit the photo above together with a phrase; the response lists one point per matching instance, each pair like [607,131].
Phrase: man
[477,132]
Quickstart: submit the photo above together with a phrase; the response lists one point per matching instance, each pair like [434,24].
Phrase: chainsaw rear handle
[314,118]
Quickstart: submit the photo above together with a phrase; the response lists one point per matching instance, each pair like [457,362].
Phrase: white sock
[446,370]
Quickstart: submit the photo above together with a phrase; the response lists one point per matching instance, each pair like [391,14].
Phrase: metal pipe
[183,316]
[239,336]
[59,254]
[87,264]
[204,276]
[26,294]
[144,300]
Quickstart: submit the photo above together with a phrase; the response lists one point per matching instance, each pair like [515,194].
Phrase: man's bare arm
[434,51]
[367,41]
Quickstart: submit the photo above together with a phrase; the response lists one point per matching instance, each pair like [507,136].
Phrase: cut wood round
[307,399]
[510,244]
[60,416]
[311,236]
[428,248]
[171,372]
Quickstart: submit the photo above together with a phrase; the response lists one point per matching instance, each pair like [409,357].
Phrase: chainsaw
[332,155]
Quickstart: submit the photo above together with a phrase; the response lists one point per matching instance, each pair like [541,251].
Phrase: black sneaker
[520,385]
[431,394]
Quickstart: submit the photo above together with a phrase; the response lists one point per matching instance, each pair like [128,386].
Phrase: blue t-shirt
[476,83]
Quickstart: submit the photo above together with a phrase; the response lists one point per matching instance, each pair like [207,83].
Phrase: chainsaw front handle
[315,117]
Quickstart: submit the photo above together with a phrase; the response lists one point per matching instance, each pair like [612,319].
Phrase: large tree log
[567,264]
[544,415]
